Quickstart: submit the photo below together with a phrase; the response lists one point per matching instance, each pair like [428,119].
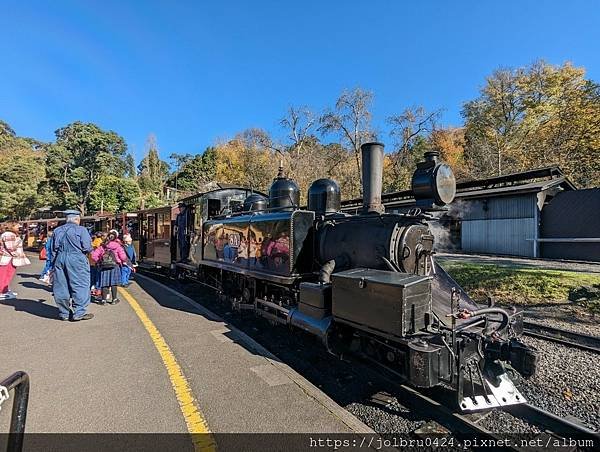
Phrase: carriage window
[214,207]
[163,226]
[151,231]
[143,221]
[159,225]
[166,226]
[133,228]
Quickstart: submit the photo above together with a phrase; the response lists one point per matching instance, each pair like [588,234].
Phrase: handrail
[19,381]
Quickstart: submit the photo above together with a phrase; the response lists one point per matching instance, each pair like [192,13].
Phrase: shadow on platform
[38,286]
[33,307]
[29,275]
[172,302]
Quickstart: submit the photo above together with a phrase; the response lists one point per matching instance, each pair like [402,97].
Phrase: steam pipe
[502,312]
[372,177]
[326,271]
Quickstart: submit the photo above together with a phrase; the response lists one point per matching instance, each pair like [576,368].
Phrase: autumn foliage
[523,118]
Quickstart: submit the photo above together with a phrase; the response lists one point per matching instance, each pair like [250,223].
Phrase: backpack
[108,260]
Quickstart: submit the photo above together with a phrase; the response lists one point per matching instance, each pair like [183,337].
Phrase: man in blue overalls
[71,243]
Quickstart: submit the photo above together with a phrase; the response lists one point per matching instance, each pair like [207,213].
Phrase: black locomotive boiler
[366,283]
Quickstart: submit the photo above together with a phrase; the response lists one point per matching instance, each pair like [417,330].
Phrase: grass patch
[517,284]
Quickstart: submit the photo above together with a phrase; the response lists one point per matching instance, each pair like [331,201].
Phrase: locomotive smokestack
[372,177]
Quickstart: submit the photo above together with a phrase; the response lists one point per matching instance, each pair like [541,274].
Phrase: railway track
[551,423]
[466,427]
[442,420]
[562,336]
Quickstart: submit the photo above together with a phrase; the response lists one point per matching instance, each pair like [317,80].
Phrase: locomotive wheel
[180,275]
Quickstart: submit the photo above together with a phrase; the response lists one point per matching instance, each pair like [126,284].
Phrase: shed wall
[500,225]
[572,215]
[502,236]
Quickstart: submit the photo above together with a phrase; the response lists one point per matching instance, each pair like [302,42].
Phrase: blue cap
[72,213]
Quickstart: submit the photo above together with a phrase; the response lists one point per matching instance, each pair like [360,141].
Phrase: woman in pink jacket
[110,257]
[11,257]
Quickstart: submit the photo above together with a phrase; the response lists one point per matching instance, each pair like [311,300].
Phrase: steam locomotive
[366,284]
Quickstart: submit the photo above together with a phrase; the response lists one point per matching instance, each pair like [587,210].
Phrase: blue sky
[192,72]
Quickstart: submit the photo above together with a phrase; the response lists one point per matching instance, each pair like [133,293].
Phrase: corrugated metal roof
[533,187]
[495,186]
[523,188]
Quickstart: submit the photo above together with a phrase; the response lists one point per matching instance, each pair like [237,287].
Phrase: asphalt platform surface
[106,374]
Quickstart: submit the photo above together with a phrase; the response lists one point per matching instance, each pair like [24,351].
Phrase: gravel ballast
[567,382]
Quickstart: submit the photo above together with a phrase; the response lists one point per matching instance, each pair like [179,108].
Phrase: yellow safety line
[202,438]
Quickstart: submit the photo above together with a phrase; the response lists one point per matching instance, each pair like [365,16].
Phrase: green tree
[194,171]
[535,116]
[130,170]
[82,154]
[21,172]
[152,173]
[115,194]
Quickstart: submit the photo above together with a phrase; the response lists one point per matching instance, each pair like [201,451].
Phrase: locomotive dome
[324,196]
[255,202]
[284,192]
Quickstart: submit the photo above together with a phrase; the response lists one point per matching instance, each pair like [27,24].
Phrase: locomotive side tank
[269,243]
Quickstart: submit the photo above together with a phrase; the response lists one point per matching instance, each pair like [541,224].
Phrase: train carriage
[156,236]
[170,236]
[35,230]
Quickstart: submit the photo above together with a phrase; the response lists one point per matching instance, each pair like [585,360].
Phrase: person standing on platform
[110,257]
[11,257]
[131,263]
[94,271]
[45,275]
[71,283]
[182,240]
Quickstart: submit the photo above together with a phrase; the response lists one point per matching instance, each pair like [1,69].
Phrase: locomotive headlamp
[433,182]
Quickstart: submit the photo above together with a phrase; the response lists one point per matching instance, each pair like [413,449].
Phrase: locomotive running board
[504,394]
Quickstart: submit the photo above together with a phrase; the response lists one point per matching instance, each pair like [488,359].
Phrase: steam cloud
[440,225]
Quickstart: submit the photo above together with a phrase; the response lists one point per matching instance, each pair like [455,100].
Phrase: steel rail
[553,423]
[562,336]
[461,425]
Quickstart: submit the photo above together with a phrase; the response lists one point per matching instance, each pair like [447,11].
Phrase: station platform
[155,363]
